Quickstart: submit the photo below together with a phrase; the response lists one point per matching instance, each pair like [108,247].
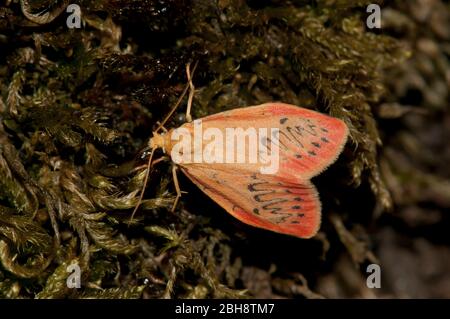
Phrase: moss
[78,107]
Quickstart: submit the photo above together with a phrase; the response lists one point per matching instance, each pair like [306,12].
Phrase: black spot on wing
[281,219]
[283,120]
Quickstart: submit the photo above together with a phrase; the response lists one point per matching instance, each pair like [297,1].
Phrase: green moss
[79,106]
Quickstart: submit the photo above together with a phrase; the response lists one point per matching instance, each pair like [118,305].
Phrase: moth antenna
[191,91]
[186,88]
[162,127]
[149,166]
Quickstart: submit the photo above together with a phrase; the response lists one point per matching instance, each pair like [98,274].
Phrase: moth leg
[159,160]
[180,99]
[138,168]
[177,187]
[191,92]
[163,158]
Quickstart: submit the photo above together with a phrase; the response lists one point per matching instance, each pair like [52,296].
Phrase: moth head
[157,141]
[162,140]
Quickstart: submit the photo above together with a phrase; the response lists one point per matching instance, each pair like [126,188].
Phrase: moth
[285,202]
[282,200]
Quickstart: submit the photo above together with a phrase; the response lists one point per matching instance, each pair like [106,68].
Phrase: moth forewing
[256,162]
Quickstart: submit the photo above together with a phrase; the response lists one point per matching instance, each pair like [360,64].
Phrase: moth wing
[308,141]
[281,205]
